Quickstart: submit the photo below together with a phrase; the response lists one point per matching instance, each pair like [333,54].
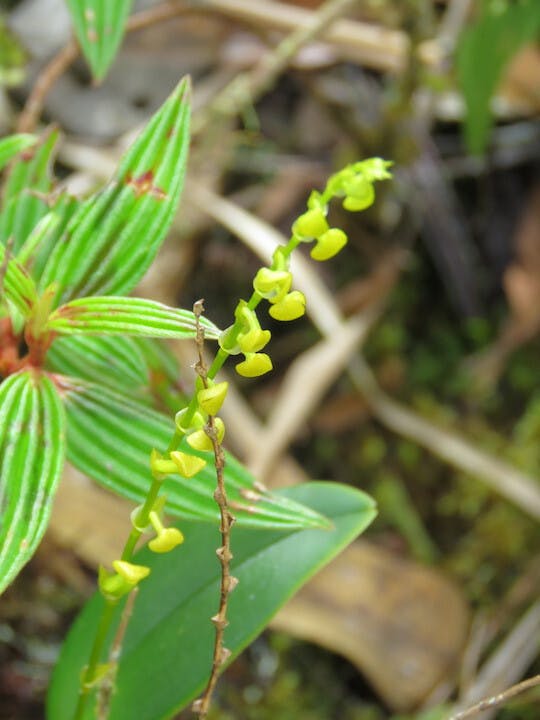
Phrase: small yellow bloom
[310,224]
[360,199]
[199,440]
[255,364]
[211,399]
[187,465]
[131,573]
[291,307]
[272,284]
[166,540]
[254,340]
[329,244]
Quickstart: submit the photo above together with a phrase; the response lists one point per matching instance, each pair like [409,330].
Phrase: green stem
[107,614]
[102,631]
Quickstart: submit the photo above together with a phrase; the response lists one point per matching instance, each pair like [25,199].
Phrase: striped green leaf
[18,287]
[111,315]
[12,145]
[165,385]
[113,237]
[99,26]
[39,244]
[24,202]
[110,436]
[31,461]
[114,361]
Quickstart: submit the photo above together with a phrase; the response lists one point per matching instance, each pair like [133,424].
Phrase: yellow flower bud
[255,364]
[329,244]
[114,586]
[131,573]
[254,340]
[166,540]
[360,194]
[311,224]
[187,465]
[291,307]
[211,399]
[199,440]
[271,283]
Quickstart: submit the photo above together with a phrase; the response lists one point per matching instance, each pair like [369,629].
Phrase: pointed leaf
[114,236]
[110,436]
[114,361]
[12,145]
[18,286]
[167,650]
[31,461]
[23,202]
[112,315]
[99,27]
[39,244]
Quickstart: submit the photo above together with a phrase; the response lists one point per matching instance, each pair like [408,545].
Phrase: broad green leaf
[484,51]
[114,361]
[14,144]
[167,650]
[17,285]
[110,436]
[31,461]
[24,202]
[112,315]
[113,237]
[99,27]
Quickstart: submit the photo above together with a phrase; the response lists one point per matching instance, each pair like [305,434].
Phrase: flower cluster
[354,186]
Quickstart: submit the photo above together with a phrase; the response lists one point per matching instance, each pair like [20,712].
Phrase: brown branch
[498,700]
[56,67]
[228,581]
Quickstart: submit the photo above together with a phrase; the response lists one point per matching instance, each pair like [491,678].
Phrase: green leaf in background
[167,650]
[24,202]
[112,315]
[99,26]
[31,461]
[485,49]
[114,361]
[113,237]
[110,436]
[14,144]
[18,286]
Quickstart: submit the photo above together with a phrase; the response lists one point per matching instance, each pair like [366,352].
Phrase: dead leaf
[402,625]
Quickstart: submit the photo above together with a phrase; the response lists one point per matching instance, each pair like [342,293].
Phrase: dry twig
[497,700]
[228,581]
[456,451]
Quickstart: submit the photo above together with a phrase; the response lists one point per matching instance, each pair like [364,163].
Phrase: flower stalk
[203,430]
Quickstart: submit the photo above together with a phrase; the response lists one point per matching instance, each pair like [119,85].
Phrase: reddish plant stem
[228,581]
